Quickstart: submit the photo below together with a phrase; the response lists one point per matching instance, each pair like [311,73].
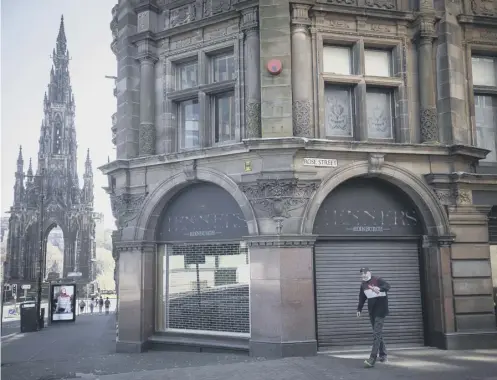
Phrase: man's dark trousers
[378,344]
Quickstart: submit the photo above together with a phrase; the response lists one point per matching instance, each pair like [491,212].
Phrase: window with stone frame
[484,72]
[221,95]
[360,89]
[202,99]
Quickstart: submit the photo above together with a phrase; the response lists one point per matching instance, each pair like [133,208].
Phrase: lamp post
[40,256]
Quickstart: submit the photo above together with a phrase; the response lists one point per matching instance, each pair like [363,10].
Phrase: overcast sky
[29,31]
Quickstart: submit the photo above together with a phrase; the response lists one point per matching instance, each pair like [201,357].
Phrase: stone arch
[156,201]
[435,219]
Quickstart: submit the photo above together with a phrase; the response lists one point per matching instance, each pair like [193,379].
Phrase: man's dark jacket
[378,306]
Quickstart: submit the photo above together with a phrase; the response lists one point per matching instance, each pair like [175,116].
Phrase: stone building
[266,150]
[56,184]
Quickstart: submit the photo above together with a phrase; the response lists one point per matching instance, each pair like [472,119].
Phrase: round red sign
[274,66]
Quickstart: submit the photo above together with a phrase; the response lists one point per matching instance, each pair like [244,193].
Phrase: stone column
[136,295]
[428,106]
[282,309]
[302,75]
[252,82]
[147,134]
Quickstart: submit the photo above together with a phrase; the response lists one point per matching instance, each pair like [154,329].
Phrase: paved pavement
[85,350]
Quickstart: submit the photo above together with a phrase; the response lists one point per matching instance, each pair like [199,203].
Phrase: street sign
[25,287]
[74,274]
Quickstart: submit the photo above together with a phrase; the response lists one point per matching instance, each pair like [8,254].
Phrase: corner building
[267,150]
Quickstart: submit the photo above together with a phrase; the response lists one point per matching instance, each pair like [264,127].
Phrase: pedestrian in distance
[100,305]
[82,305]
[107,305]
[92,305]
[374,290]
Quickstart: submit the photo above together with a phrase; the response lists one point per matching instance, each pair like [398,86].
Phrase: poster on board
[63,302]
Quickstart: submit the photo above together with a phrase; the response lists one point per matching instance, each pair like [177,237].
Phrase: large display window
[203,264]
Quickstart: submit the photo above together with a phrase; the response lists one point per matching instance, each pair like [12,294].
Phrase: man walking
[374,289]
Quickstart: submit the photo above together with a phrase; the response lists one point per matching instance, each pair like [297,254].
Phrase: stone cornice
[368,12]
[461,178]
[477,20]
[297,143]
[281,241]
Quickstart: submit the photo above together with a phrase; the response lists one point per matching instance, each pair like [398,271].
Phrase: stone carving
[279,197]
[454,196]
[214,7]
[190,169]
[182,15]
[489,35]
[381,4]
[302,118]
[250,19]
[143,18]
[429,125]
[253,119]
[147,139]
[125,207]
[376,161]
[343,2]
[484,7]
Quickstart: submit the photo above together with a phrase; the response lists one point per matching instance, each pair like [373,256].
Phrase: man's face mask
[366,276]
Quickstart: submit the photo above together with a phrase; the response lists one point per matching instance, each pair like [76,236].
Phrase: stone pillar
[147,22]
[136,296]
[252,82]
[147,100]
[302,75]
[276,90]
[428,107]
[282,309]
[468,263]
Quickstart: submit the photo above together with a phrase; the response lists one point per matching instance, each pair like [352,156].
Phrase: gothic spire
[88,169]
[61,38]
[30,170]
[20,161]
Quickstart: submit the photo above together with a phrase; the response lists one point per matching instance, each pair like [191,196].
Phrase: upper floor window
[187,75]
[354,111]
[223,67]
[204,103]
[485,100]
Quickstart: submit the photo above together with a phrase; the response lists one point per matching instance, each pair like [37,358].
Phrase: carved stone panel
[125,207]
[381,4]
[302,118]
[429,125]
[253,119]
[279,197]
[214,7]
[454,196]
[486,8]
[182,15]
[147,139]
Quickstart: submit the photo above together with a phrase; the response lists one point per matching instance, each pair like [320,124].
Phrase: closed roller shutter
[337,289]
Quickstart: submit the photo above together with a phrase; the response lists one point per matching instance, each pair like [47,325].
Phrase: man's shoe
[369,363]
[383,359]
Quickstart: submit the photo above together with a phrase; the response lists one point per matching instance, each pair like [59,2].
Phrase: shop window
[379,112]
[207,288]
[224,117]
[189,116]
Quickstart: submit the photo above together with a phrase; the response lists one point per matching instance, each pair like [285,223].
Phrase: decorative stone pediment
[486,8]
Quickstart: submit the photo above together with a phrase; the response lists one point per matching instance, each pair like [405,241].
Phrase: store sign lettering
[371,220]
[204,225]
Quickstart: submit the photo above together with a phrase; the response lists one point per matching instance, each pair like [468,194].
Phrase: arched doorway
[203,263]
[367,222]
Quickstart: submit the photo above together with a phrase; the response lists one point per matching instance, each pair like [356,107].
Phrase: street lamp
[40,256]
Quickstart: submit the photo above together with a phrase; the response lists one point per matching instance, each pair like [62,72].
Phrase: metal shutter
[337,289]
